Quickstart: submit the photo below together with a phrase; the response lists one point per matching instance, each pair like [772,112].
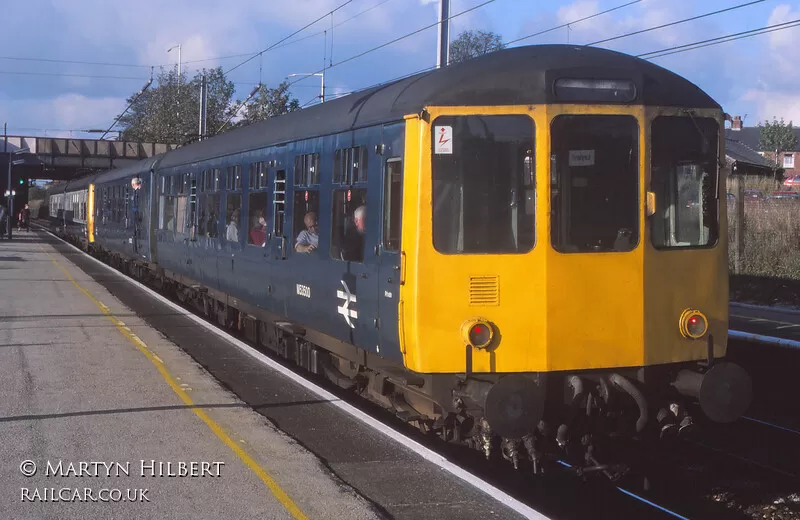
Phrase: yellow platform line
[273,486]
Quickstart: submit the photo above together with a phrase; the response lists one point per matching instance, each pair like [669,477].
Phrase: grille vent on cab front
[484,290]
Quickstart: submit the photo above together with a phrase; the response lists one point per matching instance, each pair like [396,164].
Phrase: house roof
[740,152]
[749,135]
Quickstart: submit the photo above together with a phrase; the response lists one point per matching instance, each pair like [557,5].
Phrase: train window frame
[668,212]
[210,199]
[455,183]
[254,198]
[301,200]
[306,169]
[351,165]
[258,176]
[233,199]
[233,178]
[565,228]
[392,207]
[167,205]
[215,179]
[343,223]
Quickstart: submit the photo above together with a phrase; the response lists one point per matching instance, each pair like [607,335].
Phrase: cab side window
[349,221]
[392,204]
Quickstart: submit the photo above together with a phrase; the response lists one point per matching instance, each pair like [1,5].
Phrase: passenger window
[233,210]
[392,204]
[257,220]
[180,212]
[208,205]
[212,214]
[306,169]
[233,178]
[349,224]
[166,205]
[350,165]
[306,221]
[258,176]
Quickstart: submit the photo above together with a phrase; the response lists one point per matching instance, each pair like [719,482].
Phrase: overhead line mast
[443,54]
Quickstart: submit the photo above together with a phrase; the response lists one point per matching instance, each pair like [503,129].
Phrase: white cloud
[60,115]
[639,17]
[781,40]
[777,105]
[772,91]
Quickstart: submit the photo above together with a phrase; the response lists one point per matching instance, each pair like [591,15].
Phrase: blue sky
[758,76]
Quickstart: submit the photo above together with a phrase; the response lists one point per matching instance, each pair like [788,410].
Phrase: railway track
[656,489]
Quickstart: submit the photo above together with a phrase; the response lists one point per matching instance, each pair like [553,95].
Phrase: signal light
[693,324]
[477,333]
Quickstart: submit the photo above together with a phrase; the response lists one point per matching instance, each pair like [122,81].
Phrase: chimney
[736,124]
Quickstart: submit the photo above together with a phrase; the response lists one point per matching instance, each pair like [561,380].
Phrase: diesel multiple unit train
[520,252]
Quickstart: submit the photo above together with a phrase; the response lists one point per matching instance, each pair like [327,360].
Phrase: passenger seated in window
[353,249]
[232,233]
[258,235]
[308,239]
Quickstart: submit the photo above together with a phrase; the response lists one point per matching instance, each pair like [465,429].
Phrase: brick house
[749,137]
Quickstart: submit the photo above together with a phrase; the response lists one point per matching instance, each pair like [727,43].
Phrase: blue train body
[355,302]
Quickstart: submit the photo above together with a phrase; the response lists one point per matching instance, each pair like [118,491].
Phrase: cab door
[390,252]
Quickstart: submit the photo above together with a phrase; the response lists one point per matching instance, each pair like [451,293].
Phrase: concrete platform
[95,371]
[88,391]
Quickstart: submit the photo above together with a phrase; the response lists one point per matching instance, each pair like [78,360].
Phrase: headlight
[477,332]
[693,324]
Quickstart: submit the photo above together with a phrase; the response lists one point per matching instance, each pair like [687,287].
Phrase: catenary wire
[571,22]
[721,39]
[286,44]
[287,37]
[677,22]
[373,49]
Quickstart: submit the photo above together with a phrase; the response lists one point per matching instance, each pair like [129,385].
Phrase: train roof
[139,167]
[516,76]
[81,183]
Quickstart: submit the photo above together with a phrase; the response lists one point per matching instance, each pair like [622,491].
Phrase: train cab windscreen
[483,184]
[684,179]
[594,183]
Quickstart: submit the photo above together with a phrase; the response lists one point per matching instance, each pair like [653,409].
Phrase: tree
[776,137]
[471,44]
[169,113]
[269,102]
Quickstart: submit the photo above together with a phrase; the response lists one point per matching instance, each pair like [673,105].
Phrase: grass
[771,239]
[771,258]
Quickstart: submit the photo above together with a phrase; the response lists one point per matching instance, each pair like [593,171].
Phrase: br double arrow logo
[347,298]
